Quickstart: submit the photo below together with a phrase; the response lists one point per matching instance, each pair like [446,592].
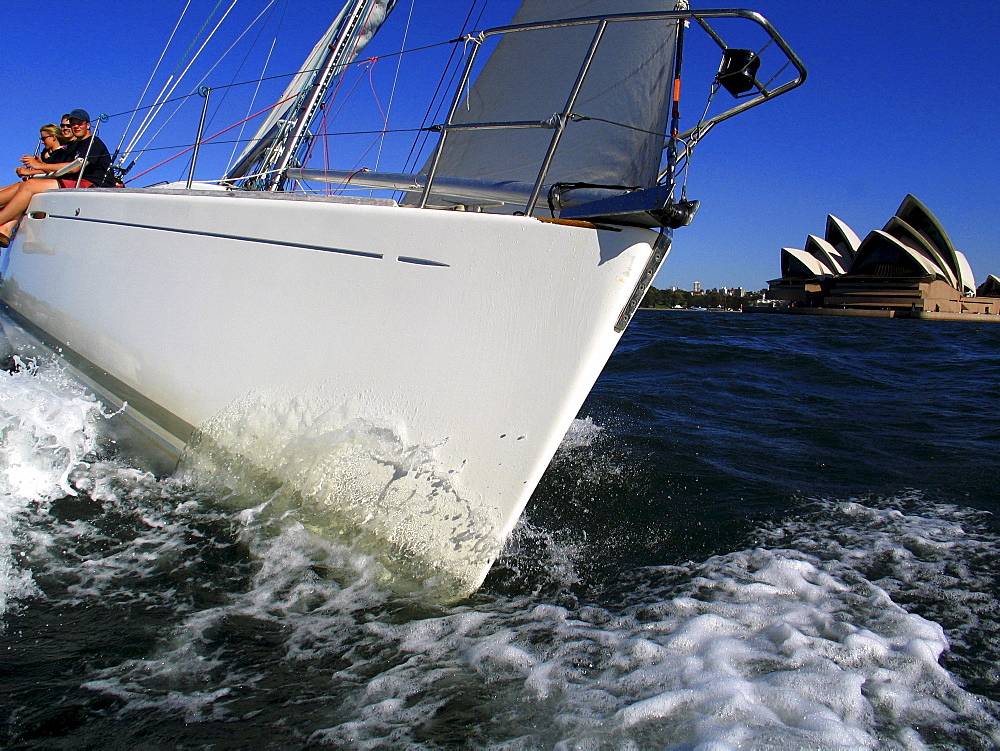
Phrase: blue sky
[901,98]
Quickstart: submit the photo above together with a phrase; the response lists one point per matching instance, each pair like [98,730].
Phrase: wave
[856,622]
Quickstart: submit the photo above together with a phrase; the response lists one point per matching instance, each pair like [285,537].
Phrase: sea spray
[48,425]
[866,618]
[302,459]
[48,430]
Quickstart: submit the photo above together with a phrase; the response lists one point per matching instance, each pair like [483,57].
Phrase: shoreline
[925,315]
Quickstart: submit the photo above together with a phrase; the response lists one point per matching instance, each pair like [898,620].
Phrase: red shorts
[70,182]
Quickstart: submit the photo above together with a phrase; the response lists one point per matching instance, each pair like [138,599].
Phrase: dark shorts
[70,182]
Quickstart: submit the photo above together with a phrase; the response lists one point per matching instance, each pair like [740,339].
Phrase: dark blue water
[762,532]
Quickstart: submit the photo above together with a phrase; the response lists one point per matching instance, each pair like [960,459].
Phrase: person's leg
[7,192]
[19,202]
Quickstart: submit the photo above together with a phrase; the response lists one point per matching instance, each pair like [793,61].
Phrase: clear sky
[901,98]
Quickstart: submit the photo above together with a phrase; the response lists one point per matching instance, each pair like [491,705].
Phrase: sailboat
[402,369]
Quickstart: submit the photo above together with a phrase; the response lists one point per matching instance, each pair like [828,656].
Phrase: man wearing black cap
[94,171]
[97,171]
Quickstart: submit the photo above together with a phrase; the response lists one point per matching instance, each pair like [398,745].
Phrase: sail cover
[529,77]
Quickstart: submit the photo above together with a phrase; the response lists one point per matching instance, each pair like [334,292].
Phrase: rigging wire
[331,96]
[151,110]
[326,112]
[283,75]
[576,118]
[194,40]
[226,90]
[184,97]
[360,20]
[152,75]
[268,7]
[331,133]
[253,98]
[215,65]
[433,109]
[369,64]
[689,146]
[395,81]
[209,138]
[153,113]
[164,98]
[381,133]
[253,101]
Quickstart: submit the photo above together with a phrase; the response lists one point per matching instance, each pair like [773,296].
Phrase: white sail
[528,78]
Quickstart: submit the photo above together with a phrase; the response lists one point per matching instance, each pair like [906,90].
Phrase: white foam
[48,424]
[762,648]
[48,430]
[583,448]
[350,478]
[530,548]
[765,648]
[313,591]
[804,641]
[582,433]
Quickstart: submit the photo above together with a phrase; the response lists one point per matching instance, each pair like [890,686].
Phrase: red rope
[326,112]
[371,84]
[214,135]
[329,118]
[357,168]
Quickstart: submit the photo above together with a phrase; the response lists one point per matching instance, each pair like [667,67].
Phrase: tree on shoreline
[713,298]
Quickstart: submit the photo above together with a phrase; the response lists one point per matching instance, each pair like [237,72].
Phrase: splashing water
[162,612]
[347,478]
[48,429]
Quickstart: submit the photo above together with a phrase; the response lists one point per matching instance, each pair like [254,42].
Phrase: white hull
[409,372]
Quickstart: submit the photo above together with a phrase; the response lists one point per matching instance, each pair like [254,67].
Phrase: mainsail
[282,138]
[528,78]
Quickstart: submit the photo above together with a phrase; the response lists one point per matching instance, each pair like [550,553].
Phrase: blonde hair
[54,130]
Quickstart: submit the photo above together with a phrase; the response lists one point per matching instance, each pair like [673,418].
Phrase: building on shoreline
[909,268]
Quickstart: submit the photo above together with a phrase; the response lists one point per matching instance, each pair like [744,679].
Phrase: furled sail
[285,131]
[529,77]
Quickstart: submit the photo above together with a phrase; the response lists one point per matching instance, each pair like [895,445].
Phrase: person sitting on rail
[95,172]
[55,140]
[54,151]
[53,144]
[66,128]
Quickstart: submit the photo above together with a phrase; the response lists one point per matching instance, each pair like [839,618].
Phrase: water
[762,532]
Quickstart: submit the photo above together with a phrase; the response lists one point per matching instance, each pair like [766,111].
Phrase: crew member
[94,171]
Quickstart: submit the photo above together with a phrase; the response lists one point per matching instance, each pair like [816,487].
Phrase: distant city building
[907,268]
[697,287]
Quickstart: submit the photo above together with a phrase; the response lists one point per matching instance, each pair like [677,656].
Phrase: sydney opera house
[909,268]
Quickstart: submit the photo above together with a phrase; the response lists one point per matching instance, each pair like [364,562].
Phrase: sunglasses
[65,125]
[75,123]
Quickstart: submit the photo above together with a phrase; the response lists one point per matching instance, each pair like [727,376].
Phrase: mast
[284,137]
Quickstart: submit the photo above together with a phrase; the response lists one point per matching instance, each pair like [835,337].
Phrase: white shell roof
[913,233]
[805,263]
